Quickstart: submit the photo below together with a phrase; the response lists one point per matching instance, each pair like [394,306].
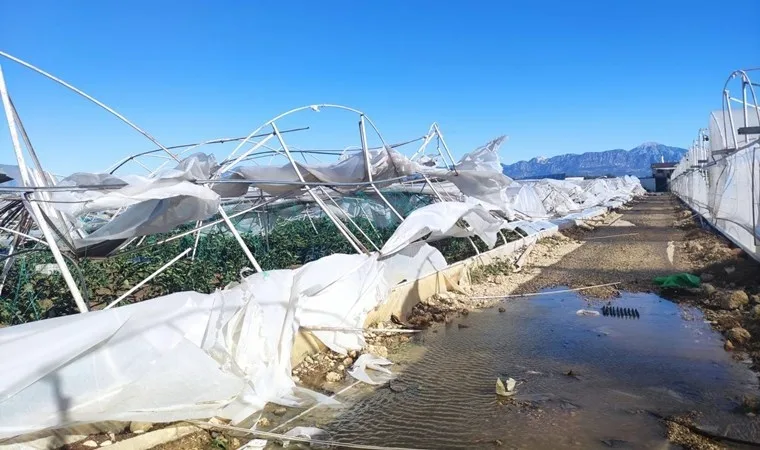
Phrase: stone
[106,443]
[738,335]
[750,403]
[502,309]
[90,444]
[755,299]
[348,361]
[218,421]
[263,422]
[726,322]
[280,411]
[352,353]
[708,289]
[333,377]
[296,379]
[707,276]
[755,312]
[308,360]
[340,368]
[734,300]
[728,346]
[378,350]
[112,435]
[139,427]
[445,296]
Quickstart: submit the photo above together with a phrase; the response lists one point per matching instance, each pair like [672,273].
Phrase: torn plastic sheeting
[166,184]
[487,187]
[153,204]
[180,356]
[478,175]
[386,163]
[532,227]
[343,290]
[152,217]
[441,220]
[485,158]
[413,262]
[306,432]
[527,202]
[137,362]
[372,362]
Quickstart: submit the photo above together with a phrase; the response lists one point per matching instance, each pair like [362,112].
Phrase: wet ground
[583,382]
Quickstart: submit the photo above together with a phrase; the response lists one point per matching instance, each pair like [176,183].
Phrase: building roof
[665,165]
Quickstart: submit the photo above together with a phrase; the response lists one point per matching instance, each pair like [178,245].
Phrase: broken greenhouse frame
[197,274]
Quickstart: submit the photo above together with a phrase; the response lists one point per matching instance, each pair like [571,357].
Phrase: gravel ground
[632,251]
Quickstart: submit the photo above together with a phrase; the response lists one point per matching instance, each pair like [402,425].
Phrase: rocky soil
[730,293]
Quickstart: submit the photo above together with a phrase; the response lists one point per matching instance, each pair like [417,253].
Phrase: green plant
[499,266]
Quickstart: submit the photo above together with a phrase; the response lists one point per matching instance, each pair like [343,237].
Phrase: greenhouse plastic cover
[191,355]
[159,203]
[721,131]
[153,204]
[724,194]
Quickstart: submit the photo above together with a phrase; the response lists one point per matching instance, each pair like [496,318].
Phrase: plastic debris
[376,363]
[505,390]
[587,312]
[678,280]
[255,444]
[306,432]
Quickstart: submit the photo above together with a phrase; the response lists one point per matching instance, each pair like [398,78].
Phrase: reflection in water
[584,382]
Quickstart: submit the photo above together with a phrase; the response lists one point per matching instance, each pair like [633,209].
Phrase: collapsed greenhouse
[718,177]
[181,293]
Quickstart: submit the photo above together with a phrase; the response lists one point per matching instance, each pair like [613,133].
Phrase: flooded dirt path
[583,381]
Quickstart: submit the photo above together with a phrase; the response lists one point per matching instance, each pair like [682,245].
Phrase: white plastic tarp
[153,204]
[440,220]
[189,355]
[726,194]
[185,355]
[386,163]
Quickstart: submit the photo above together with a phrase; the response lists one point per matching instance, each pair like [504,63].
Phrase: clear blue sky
[557,76]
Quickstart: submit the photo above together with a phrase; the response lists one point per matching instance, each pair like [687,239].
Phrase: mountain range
[618,162]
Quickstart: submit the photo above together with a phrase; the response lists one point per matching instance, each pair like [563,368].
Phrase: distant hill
[635,161]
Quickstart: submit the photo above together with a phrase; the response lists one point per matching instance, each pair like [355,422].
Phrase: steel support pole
[34,207]
[341,227]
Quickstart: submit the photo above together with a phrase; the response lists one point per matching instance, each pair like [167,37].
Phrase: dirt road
[633,250]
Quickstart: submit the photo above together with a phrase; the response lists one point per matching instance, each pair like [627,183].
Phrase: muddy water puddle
[583,381]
